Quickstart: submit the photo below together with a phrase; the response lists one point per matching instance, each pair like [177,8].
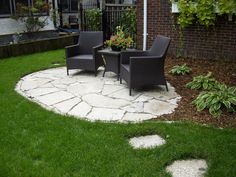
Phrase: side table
[111,60]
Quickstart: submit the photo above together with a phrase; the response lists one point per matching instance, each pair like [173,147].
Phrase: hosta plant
[206,82]
[216,100]
[180,69]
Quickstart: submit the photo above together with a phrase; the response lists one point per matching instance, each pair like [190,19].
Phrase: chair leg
[120,80]
[67,71]
[129,91]
[95,73]
[167,88]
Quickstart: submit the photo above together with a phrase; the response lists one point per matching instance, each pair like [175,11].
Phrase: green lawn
[35,142]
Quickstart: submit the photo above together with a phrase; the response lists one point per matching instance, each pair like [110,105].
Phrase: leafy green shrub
[94,19]
[205,12]
[227,6]
[128,21]
[187,11]
[216,100]
[203,82]
[180,69]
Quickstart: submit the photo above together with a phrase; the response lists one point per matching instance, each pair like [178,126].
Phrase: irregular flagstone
[187,168]
[33,83]
[106,114]
[134,107]
[80,110]
[124,94]
[136,117]
[81,89]
[54,98]
[95,98]
[108,89]
[67,105]
[41,91]
[149,141]
[104,102]
[158,107]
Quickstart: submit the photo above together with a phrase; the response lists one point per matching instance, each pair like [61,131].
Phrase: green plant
[187,10]
[205,12]
[120,39]
[216,100]
[180,69]
[203,82]
[227,6]
[128,21]
[94,19]
[30,15]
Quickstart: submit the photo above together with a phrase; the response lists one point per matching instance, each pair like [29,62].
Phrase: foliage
[120,39]
[215,100]
[227,6]
[205,12]
[30,15]
[94,19]
[128,21]
[203,82]
[180,69]
[187,10]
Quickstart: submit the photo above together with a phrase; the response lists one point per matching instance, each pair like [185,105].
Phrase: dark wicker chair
[144,68]
[84,55]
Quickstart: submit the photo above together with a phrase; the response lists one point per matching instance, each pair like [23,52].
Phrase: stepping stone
[187,168]
[144,142]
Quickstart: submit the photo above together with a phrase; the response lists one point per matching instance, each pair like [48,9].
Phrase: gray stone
[81,110]
[149,141]
[187,168]
[103,101]
[106,114]
[136,117]
[54,98]
[158,107]
[66,106]
[134,107]
[111,88]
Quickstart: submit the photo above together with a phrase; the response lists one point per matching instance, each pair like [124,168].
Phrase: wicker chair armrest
[72,50]
[125,55]
[146,62]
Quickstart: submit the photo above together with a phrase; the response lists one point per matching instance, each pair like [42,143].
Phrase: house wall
[197,41]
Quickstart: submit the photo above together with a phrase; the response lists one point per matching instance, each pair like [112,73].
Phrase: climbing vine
[203,11]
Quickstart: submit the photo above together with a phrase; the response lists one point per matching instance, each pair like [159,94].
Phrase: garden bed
[223,70]
[35,42]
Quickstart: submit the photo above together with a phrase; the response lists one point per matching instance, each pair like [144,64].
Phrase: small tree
[31,15]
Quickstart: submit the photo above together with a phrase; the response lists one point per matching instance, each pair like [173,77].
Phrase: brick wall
[197,41]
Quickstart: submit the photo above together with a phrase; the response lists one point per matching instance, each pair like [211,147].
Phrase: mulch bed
[223,70]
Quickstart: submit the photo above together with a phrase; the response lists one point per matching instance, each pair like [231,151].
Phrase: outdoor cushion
[82,57]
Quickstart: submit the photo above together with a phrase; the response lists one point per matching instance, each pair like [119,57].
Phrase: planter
[115,48]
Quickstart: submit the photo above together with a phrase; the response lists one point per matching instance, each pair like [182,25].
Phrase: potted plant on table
[119,40]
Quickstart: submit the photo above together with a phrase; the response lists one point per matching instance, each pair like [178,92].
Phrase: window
[8,7]
[68,5]
[5,7]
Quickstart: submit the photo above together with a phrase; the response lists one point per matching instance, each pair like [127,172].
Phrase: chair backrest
[160,46]
[90,39]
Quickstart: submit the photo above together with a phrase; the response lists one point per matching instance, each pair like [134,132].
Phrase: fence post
[81,16]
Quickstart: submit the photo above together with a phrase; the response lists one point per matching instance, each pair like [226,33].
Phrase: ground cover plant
[180,69]
[36,142]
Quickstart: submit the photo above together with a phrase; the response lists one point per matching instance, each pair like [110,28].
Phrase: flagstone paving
[95,98]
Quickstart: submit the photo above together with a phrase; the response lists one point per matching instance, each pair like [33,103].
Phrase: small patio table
[111,61]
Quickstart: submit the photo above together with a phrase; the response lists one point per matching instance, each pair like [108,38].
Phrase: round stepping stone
[144,142]
[187,168]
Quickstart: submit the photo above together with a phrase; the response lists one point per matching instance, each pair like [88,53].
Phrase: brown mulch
[223,70]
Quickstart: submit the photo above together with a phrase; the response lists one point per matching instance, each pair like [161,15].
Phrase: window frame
[8,14]
[69,6]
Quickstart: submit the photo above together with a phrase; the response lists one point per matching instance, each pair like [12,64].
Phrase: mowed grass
[35,142]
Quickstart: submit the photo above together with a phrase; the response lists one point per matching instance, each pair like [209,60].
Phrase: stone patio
[95,98]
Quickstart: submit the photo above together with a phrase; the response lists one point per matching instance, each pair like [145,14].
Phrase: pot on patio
[116,48]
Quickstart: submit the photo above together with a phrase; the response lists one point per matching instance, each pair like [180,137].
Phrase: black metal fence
[111,17]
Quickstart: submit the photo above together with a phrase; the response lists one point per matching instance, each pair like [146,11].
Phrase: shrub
[94,19]
[203,82]
[30,15]
[180,69]
[216,100]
